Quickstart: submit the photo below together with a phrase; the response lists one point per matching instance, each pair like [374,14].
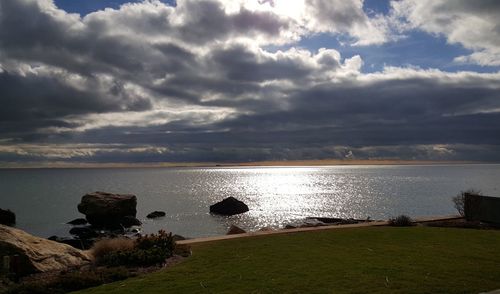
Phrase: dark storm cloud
[150,82]
[240,63]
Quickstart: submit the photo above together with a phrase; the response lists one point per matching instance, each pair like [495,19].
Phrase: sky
[117,81]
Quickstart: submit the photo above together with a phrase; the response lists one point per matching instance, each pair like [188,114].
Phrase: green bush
[148,250]
[162,240]
[401,221]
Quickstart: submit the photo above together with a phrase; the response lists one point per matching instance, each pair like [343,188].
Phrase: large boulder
[229,206]
[108,210]
[37,254]
[7,217]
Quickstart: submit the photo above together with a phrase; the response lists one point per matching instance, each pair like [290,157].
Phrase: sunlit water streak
[44,200]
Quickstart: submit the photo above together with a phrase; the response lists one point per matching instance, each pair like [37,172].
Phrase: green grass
[361,260]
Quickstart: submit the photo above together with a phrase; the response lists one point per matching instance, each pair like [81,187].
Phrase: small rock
[7,217]
[178,237]
[78,222]
[84,232]
[156,214]
[129,221]
[234,230]
[82,244]
[266,229]
[288,227]
[229,206]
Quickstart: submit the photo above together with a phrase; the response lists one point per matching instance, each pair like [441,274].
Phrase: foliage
[135,257]
[459,200]
[71,281]
[163,241]
[146,250]
[401,221]
[106,246]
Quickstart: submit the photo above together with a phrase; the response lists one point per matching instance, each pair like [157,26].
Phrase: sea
[44,200]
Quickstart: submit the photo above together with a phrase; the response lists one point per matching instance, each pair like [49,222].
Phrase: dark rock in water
[266,229]
[7,217]
[82,244]
[326,220]
[78,222]
[311,223]
[288,227]
[178,237]
[336,221]
[129,221]
[234,230]
[108,210]
[229,206]
[156,214]
[84,232]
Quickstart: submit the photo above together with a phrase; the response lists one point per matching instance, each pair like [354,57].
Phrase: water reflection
[44,200]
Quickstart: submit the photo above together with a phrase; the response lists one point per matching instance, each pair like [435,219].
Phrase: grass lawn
[355,260]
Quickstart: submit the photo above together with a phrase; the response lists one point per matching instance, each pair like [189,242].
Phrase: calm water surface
[45,199]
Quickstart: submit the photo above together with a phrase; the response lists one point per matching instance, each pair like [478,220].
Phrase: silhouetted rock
[129,221]
[78,222]
[326,220]
[234,230]
[156,214]
[109,210]
[84,232]
[7,217]
[288,227]
[266,229]
[178,237]
[82,244]
[229,206]
[38,254]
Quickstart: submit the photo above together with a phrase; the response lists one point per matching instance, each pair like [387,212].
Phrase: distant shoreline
[288,163]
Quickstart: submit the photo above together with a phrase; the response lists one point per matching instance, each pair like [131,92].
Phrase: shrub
[162,240]
[136,257]
[106,246]
[459,200]
[401,221]
[72,281]
[146,250]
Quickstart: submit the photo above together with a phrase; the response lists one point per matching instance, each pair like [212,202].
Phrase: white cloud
[473,24]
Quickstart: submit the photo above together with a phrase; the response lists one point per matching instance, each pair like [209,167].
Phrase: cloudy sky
[248,80]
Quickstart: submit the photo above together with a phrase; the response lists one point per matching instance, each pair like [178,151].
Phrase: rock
[38,254]
[266,229]
[78,222]
[156,214]
[129,221]
[229,206]
[82,244]
[234,230]
[178,237]
[289,227]
[326,220]
[108,210]
[7,217]
[84,232]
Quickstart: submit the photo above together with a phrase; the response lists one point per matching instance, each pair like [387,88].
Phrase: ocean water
[45,199]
